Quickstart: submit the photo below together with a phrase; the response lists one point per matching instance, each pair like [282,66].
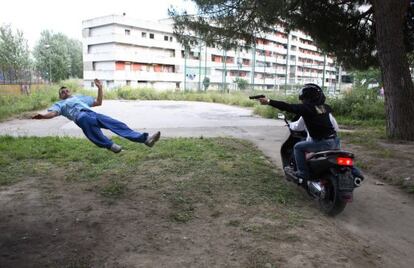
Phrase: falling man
[77,109]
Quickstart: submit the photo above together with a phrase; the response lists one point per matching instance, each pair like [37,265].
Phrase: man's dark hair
[60,89]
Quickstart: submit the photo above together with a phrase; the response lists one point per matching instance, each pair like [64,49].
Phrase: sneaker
[292,174]
[115,148]
[289,172]
[151,140]
[301,178]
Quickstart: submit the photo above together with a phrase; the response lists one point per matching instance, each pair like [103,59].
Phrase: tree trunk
[398,85]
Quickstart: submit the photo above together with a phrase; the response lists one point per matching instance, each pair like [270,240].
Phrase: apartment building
[123,51]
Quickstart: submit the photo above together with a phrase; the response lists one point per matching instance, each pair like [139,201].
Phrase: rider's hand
[264,101]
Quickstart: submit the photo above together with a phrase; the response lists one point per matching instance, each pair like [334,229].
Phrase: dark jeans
[303,147]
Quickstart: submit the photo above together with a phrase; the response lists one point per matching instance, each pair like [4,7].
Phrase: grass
[185,172]
[12,105]
[382,157]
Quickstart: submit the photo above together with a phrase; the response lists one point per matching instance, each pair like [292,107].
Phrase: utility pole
[199,68]
[224,69]
[287,62]
[185,69]
[47,46]
[205,63]
[253,62]
[324,71]
[264,67]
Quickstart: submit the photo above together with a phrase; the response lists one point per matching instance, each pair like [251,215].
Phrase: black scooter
[333,177]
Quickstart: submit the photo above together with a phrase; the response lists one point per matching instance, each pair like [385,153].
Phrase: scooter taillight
[344,161]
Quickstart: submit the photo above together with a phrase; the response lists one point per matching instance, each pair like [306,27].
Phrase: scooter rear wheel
[330,201]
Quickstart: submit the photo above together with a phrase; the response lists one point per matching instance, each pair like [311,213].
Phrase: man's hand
[98,101]
[98,83]
[264,101]
[47,115]
[37,116]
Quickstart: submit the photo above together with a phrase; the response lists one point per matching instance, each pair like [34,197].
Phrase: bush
[359,104]
[12,105]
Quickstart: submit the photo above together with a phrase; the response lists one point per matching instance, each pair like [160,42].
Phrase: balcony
[131,75]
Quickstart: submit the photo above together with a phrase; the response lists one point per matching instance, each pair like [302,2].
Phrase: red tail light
[344,161]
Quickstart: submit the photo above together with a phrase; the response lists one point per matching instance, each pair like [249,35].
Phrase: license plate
[345,181]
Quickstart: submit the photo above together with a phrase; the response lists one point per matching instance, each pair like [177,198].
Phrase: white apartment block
[122,51]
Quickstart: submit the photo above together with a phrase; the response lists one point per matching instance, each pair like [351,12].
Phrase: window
[151,36]
[171,39]
[127,32]
[165,38]
[92,84]
[144,35]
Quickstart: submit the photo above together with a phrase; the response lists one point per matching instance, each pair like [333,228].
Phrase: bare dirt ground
[48,222]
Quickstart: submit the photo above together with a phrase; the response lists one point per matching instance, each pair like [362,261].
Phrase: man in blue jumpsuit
[77,109]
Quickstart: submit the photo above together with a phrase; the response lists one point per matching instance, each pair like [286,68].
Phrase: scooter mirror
[281,116]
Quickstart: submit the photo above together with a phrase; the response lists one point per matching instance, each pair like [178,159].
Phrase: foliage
[242,84]
[58,57]
[361,104]
[14,55]
[206,83]
[366,77]
[411,60]
[14,105]
[350,35]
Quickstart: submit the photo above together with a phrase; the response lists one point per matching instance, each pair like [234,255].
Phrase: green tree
[362,78]
[76,61]
[14,55]
[206,83]
[58,57]
[360,34]
[241,83]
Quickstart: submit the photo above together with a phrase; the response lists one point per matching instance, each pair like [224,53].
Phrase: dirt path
[380,220]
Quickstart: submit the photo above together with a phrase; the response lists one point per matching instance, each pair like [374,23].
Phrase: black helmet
[312,93]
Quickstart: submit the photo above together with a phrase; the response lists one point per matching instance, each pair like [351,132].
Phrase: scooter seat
[329,153]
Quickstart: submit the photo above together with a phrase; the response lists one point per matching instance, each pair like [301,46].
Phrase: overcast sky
[33,16]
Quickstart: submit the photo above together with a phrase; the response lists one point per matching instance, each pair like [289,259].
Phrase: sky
[33,16]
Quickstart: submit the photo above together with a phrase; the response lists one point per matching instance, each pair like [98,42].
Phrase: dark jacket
[316,117]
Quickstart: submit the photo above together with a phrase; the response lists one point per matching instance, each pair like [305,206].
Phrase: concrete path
[382,215]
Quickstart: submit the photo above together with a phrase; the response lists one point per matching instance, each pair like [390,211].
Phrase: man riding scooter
[317,118]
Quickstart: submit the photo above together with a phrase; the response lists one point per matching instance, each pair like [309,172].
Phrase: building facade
[123,51]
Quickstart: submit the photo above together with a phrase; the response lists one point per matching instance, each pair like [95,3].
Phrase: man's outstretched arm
[47,115]
[98,101]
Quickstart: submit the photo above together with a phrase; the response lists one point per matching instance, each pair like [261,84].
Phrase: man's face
[64,93]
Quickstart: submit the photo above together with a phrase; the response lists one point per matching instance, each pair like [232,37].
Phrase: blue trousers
[303,147]
[91,124]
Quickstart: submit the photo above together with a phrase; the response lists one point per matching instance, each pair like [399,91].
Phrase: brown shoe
[151,140]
